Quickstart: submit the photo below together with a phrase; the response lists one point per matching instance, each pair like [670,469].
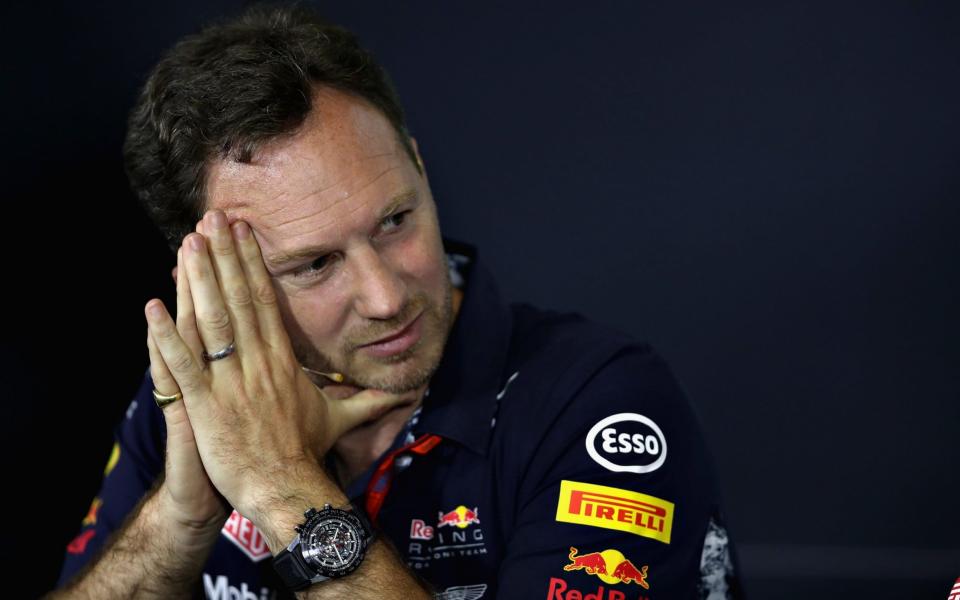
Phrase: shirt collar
[461,400]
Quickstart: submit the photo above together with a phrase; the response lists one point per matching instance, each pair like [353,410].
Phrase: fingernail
[196,242]
[240,230]
[218,219]
[153,309]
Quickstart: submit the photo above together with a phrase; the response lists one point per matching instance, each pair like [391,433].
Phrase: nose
[381,293]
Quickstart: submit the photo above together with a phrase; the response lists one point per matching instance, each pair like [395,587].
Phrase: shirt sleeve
[619,500]
[135,461]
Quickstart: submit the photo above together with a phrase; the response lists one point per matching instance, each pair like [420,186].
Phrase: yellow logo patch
[91,518]
[613,508]
[114,457]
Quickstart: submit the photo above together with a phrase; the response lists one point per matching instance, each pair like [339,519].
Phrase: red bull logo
[611,566]
[461,517]
[561,590]
[419,530]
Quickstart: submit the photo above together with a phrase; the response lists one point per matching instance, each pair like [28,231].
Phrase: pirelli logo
[613,508]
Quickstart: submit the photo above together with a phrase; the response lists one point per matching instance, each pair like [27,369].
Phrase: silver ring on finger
[222,353]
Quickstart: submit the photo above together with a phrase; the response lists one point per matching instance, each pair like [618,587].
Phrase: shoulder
[596,441]
[589,402]
[564,362]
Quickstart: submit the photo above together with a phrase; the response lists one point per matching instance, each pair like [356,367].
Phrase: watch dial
[333,544]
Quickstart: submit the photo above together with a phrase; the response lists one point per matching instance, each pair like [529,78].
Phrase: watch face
[333,543]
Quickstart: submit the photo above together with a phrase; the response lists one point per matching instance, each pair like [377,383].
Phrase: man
[341,405]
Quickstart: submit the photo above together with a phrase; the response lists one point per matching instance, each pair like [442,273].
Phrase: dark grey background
[765,191]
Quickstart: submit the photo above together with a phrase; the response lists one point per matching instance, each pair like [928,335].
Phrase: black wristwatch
[330,543]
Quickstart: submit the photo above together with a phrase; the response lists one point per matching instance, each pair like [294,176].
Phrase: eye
[397,216]
[391,223]
[315,267]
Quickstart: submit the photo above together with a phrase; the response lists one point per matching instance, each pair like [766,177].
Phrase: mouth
[397,342]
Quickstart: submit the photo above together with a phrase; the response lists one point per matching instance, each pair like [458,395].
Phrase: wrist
[188,529]
[332,543]
[280,508]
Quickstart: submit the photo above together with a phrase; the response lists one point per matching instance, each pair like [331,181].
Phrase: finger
[359,408]
[175,414]
[183,468]
[163,381]
[232,282]
[213,319]
[186,317]
[175,353]
[272,330]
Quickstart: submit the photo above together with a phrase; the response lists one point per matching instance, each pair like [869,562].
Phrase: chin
[406,372]
[400,378]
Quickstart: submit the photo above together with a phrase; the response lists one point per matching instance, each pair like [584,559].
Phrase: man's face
[344,183]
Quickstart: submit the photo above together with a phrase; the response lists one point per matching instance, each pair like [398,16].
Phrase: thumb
[364,406]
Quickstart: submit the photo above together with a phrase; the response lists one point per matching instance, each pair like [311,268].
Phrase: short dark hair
[225,91]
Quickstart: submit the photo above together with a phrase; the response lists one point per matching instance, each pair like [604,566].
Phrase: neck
[357,449]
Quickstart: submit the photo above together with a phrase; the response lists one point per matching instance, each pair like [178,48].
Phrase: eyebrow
[280,259]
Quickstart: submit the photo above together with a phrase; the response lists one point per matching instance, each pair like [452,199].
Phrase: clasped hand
[256,417]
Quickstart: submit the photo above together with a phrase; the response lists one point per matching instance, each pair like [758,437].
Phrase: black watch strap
[294,574]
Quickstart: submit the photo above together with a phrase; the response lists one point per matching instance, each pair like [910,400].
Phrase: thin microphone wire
[337,377]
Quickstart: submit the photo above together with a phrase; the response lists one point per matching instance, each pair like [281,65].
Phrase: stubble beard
[422,359]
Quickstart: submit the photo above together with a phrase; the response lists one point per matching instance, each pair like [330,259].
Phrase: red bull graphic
[561,590]
[419,530]
[592,563]
[457,534]
[461,517]
[611,566]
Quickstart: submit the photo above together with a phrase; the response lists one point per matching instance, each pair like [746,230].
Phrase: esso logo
[627,442]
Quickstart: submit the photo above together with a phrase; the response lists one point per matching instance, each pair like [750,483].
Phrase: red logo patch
[461,517]
[242,532]
[560,590]
[955,591]
[419,530]
[79,543]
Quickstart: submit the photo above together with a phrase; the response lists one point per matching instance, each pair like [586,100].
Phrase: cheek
[316,316]
[420,263]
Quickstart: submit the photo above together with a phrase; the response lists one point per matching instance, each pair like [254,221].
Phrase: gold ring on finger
[165,400]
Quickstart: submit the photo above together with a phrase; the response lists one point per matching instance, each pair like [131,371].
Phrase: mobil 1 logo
[627,442]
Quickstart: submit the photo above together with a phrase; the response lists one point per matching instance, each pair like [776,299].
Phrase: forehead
[343,158]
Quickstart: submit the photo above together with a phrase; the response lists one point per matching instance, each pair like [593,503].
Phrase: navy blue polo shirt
[552,457]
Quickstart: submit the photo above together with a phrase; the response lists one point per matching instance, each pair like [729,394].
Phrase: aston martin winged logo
[462,592]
